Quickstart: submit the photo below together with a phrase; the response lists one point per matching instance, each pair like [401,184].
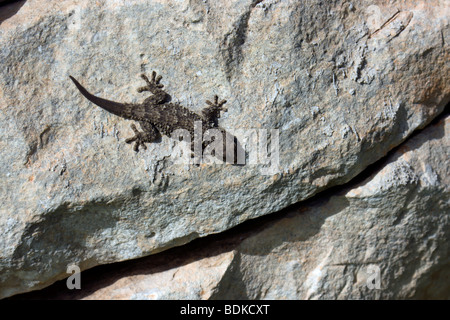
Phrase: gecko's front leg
[212,112]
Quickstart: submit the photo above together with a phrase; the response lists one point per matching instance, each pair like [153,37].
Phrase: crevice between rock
[8,8]
[231,46]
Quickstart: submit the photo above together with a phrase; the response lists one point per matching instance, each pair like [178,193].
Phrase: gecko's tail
[111,106]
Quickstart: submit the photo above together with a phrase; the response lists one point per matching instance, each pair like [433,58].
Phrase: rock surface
[392,226]
[395,222]
[342,83]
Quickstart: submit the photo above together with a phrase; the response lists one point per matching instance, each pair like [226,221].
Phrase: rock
[72,192]
[383,236]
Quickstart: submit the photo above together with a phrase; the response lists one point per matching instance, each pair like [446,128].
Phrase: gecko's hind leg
[149,134]
[155,87]
[212,112]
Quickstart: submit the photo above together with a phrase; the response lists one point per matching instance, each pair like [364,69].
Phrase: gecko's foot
[152,83]
[139,139]
[212,112]
[217,105]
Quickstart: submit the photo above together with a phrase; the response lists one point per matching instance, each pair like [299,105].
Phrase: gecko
[157,115]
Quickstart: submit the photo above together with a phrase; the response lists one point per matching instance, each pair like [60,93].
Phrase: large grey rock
[342,83]
[384,236]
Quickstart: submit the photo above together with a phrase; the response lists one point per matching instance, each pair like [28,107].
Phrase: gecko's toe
[130,140]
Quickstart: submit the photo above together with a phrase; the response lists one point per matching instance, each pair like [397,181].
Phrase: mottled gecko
[157,115]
